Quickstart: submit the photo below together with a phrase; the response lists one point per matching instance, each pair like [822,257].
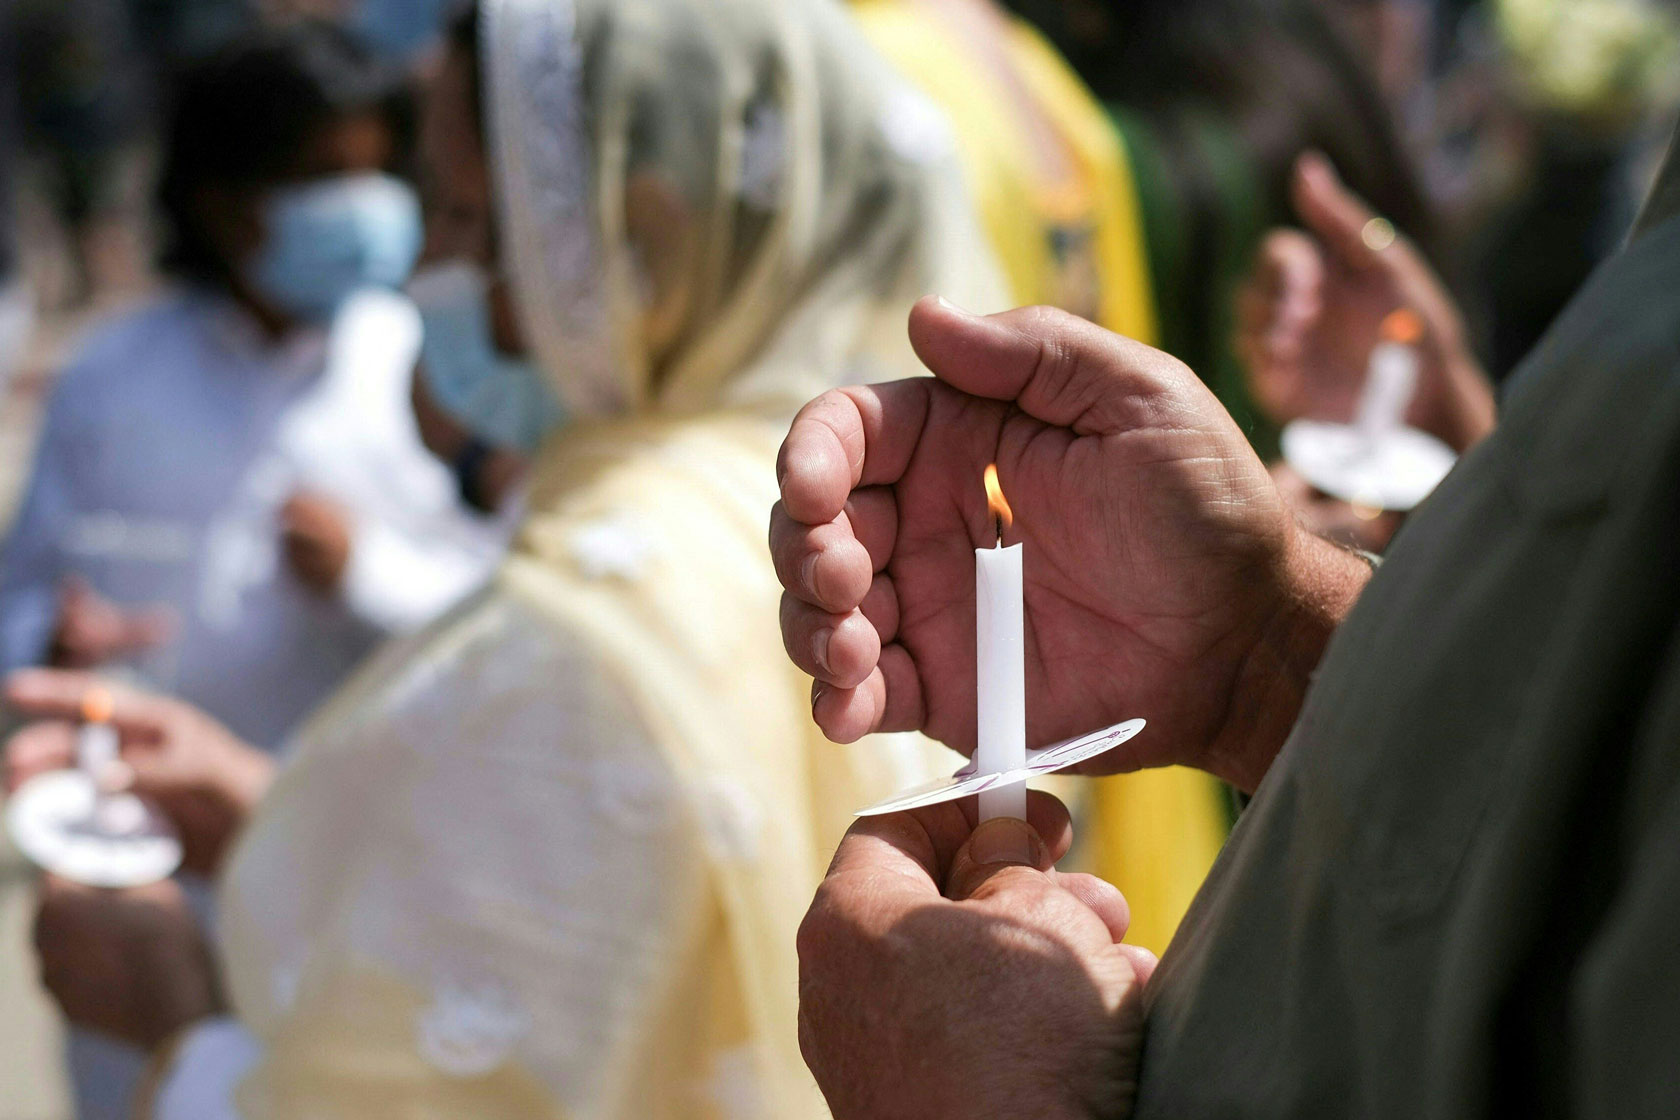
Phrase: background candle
[1391,379]
[97,742]
[1000,664]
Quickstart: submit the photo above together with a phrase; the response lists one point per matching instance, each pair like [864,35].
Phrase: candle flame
[97,705]
[1403,325]
[995,501]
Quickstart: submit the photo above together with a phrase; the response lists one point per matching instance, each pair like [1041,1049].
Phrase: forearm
[1321,583]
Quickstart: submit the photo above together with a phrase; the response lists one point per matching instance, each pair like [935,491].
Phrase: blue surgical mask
[504,401]
[328,238]
[402,29]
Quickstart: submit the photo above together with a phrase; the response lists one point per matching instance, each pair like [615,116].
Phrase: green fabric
[1457,894]
[1202,225]
[1664,200]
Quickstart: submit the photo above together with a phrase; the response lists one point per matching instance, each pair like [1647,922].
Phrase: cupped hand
[204,778]
[1313,308]
[1162,567]
[948,971]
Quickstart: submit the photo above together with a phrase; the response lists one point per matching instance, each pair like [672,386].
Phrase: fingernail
[949,306]
[819,647]
[1004,840]
[818,690]
[808,573]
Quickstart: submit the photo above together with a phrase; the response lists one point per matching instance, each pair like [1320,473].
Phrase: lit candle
[96,742]
[1391,379]
[97,750]
[1000,663]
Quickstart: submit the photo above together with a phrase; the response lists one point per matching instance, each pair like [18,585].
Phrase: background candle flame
[996,502]
[1403,325]
[97,705]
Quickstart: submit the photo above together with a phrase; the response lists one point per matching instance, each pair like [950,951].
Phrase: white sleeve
[32,563]
[415,550]
[399,581]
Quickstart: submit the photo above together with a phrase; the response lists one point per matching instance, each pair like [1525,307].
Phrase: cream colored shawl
[548,859]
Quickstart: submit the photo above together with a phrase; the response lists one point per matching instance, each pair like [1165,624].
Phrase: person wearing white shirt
[243,452]
[230,500]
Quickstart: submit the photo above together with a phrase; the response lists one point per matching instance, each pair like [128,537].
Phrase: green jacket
[1457,893]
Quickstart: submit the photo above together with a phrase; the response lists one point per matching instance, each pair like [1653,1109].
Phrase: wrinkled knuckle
[1019,891]
[818,931]
[1055,363]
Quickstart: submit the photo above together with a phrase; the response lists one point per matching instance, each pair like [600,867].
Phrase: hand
[316,534]
[1165,576]
[198,772]
[93,631]
[1313,309]
[131,964]
[1007,993]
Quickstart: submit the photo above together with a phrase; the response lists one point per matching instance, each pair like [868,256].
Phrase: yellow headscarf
[712,210]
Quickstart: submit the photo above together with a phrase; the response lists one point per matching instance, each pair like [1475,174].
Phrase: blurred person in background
[1581,95]
[548,858]
[230,500]
[85,104]
[1217,103]
[230,493]
[1057,196]
[17,302]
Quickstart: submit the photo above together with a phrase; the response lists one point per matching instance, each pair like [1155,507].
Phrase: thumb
[1054,366]
[1336,215]
[1000,851]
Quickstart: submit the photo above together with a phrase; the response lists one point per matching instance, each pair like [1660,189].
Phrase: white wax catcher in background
[1376,461]
[65,823]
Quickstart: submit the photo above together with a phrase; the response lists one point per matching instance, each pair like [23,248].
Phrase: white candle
[1000,667]
[97,748]
[1391,379]
[97,743]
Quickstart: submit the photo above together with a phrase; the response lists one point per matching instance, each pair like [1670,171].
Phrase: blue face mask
[506,402]
[328,238]
[402,29]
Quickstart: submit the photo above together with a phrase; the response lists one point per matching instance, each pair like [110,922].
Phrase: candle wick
[997,522]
